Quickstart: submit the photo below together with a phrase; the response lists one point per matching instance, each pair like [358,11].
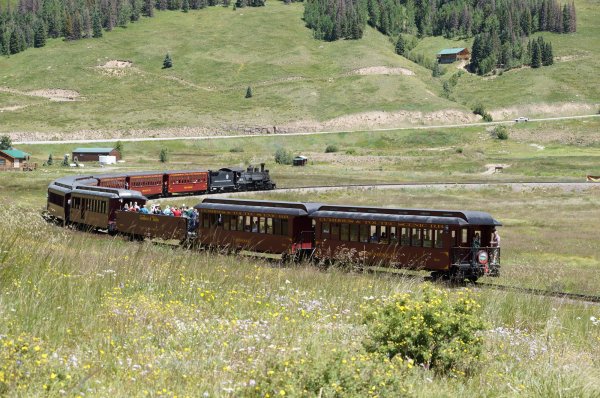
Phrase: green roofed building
[93,154]
[449,55]
[13,158]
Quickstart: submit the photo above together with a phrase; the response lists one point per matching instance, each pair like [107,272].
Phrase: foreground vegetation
[85,314]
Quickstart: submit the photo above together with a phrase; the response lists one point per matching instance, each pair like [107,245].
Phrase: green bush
[501,132]
[439,330]
[236,149]
[283,157]
[479,109]
[487,117]
[163,156]
[331,148]
[351,152]
[331,373]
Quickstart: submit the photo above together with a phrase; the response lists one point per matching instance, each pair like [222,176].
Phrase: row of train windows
[113,184]
[188,180]
[417,237]
[91,205]
[146,183]
[261,225]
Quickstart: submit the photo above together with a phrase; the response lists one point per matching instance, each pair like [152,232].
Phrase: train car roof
[344,215]
[184,171]
[145,173]
[59,188]
[288,211]
[119,175]
[111,193]
[250,204]
[419,215]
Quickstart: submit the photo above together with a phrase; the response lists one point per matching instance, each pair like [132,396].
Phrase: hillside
[298,83]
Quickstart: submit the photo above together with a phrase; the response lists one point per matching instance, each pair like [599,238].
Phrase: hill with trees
[115,83]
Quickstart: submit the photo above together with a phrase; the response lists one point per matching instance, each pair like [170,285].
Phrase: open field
[88,314]
[298,83]
[535,151]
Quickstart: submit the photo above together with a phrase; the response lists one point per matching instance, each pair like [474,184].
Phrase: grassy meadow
[89,315]
[294,77]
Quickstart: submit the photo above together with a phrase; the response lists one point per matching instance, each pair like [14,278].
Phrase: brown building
[450,55]
[13,159]
[93,154]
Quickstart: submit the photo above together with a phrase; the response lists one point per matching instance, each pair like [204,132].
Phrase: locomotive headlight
[482,257]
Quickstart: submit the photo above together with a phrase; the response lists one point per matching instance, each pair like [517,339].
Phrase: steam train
[445,242]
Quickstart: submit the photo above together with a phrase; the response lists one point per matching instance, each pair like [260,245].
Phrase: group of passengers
[383,238]
[182,211]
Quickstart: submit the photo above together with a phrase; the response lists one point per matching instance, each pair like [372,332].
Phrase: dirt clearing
[383,70]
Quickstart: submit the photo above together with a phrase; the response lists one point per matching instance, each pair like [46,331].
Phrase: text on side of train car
[387,223]
[242,213]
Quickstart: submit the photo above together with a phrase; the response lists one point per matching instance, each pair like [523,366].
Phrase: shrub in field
[439,330]
[163,156]
[236,149]
[283,157]
[501,132]
[333,373]
[331,148]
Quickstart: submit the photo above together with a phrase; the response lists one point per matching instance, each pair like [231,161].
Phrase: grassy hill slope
[218,53]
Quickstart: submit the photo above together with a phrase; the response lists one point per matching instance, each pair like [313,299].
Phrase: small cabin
[93,154]
[450,55]
[13,159]
[300,161]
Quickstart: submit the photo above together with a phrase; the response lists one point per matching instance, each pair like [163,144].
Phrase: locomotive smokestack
[262,167]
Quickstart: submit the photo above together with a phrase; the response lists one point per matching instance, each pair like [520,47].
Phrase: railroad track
[541,292]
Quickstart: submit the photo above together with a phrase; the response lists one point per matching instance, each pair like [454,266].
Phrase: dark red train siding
[184,182]
[148,185]
[112,182]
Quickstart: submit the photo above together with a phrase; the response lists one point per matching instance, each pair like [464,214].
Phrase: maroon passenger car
[257,225]
[186,182]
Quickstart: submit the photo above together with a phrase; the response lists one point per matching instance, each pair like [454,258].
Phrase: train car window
[393,236]
[345,232]
[427,238]
[335,231]
[226,222]
[439,241]
[464,237]
[240,223]
[353,232]
[325,228]
[270,226]
[416,237]
[233,223]
[247,223]
[277,226]
[405,238]
[284,227]
[262,225]
[205,221]
[383,236]
[364,233]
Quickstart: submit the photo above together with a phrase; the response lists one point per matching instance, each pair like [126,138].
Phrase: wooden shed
[93,154]
[13,159]
[300,160]
[450,55]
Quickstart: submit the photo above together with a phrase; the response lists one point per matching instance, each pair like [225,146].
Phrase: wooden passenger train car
[441,241]
[257,225]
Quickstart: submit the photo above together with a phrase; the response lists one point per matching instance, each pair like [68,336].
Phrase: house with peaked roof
[13,159]
[450,55]
[93,154]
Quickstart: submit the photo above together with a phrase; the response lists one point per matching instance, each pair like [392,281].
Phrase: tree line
[499,27]
[31,22]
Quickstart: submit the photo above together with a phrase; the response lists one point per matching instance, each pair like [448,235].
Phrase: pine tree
[96,25]
[39,38]
[148,8]
[5,142]
[185,6]
[400,45]
[163,156]
[50,161]
[249,92]
[549,56]
[14,46]
[536,55]
[168,62]
[436,71]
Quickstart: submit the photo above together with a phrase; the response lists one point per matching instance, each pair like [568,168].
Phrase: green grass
[293,76]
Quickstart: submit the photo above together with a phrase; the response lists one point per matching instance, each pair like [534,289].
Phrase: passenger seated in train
[373,238]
